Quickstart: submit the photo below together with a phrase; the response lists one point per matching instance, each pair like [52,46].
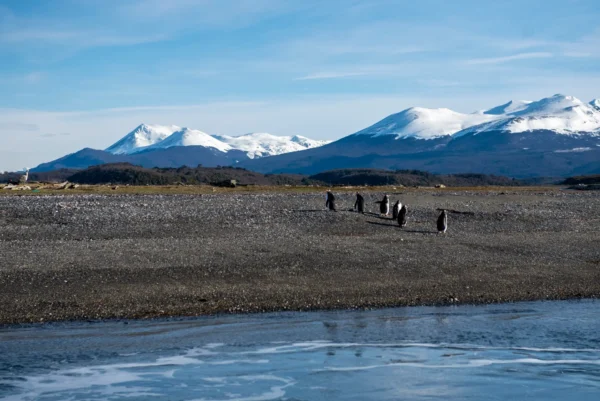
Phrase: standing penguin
[396,209]
[384,205]
[359,205]
[330,202]
[442,222]
[402,216]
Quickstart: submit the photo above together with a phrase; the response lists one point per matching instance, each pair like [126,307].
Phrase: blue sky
[77,73]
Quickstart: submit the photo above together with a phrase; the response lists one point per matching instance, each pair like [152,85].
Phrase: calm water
[529,351]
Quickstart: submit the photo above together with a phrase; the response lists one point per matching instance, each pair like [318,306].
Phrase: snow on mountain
[142,136]
[149,137]
[510,107]
[423,123]
[559,113]
[190,137]
[263,144]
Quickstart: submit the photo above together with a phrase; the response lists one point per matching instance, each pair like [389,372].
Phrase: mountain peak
[142,136]
[559,113]
[424,123]
[506,108]
[190,137]
[595,104]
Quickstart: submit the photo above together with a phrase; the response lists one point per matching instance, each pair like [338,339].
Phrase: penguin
[359,205]
[402,216]
[384,205]
[442,222]
[396,210]
[330,202]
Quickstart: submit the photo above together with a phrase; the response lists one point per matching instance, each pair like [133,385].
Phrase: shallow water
[532,351]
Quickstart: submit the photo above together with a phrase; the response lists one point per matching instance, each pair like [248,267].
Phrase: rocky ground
[133,256]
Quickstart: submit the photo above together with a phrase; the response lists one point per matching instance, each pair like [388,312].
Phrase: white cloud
[330,75]
[506,59]
[17,126]
[439,82]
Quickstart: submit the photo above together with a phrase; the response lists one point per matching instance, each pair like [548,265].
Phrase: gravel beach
[138,256]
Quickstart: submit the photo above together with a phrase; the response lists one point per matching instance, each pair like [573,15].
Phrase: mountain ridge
[554,136]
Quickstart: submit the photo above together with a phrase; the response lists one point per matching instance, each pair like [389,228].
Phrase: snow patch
[190,137]
[510,107]
[260,144]
[572,150]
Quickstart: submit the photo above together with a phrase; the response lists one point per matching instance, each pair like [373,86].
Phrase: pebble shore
[88,257]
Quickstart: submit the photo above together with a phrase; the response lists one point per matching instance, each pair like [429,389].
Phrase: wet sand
[138,256]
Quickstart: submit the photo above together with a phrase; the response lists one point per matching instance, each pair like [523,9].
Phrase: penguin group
[399,211]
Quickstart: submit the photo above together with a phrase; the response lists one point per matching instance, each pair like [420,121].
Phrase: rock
[63,185]
[18,187]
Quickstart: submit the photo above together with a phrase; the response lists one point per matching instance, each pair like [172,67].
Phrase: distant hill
[80,160]
[136,175]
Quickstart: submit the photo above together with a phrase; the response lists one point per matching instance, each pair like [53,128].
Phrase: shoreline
[101,257]
[184,318]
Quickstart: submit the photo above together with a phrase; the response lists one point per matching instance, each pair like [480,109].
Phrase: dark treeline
[583,179]
[124,173]
[135,175]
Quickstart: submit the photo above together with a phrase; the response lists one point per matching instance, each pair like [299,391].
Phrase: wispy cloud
[78,38]
[439,82]
[18,126]
[206,13]
[21,79]
[34,77]
[507,59]
[52,135]
[330,75]
[578,54]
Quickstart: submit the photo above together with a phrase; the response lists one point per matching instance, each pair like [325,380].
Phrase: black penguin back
[402,216]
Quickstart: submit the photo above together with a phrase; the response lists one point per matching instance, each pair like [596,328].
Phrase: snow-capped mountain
[554,136]
[151,137]
[142,136]
[510,107]
[423,123]
[263,144]
[189,137]
[560,114]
